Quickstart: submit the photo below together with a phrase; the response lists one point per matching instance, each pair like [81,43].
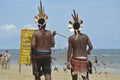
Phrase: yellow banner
[25,43]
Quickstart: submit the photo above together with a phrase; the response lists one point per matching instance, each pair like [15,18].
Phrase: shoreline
[26,74]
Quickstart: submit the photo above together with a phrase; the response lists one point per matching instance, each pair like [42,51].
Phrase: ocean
[108,59]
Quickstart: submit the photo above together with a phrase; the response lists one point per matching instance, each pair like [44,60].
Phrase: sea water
[110,58]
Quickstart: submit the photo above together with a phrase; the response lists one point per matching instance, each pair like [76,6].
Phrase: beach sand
[26,74]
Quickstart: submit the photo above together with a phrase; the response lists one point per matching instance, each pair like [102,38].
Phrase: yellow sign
[26,36]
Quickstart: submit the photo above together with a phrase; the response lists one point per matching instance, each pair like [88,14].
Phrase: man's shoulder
[34,32]
[71,36]
[49,31]
[81,34]
[84,34]
[39,31]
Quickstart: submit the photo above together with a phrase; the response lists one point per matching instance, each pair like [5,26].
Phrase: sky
[101,20]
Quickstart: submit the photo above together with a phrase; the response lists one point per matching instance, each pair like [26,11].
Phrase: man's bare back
[43,39]
[79,46]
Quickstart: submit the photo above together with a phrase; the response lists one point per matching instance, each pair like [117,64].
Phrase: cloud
[10,35]
[8,27]
[8,31]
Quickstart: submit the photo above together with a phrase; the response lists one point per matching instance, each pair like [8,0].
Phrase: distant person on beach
[42,41]
[65,69]
[6,53]
[5,59]
[95,60]
[0,55]
[95,63]
[1,59]
[79,46]
[55,69]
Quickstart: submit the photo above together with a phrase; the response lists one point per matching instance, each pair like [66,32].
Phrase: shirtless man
[42,41]
[77,59]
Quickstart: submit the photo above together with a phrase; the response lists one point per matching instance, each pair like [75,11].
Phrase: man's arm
[52,39]
[33,43]
[69,54]
[90,47]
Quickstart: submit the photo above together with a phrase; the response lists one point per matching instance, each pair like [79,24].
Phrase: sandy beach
[26,74]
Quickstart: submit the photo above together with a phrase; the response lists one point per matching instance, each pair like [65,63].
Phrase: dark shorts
[42,66]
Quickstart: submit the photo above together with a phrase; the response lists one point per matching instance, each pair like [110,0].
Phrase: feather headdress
[75,24]
[41,18]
